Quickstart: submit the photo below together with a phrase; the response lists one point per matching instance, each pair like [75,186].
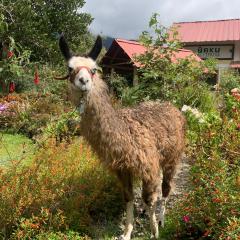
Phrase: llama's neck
[100,123]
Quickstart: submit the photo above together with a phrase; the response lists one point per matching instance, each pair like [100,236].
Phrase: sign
[213,51]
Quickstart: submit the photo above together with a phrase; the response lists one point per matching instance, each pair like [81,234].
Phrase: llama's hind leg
[168,174]
[127,186]
[150,193]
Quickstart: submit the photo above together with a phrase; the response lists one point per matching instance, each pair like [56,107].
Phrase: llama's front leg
[153,221]
[162,210]
[168,174]
[127,185]
[129,222]
[150,195]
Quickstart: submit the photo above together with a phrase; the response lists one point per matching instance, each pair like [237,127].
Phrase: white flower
[185,108]
[194,112]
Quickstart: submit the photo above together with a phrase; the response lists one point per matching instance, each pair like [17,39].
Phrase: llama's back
[164,124]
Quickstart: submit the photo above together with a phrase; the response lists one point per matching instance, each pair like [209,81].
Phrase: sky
[128,18]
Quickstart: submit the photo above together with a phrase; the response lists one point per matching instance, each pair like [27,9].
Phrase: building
[120,58]
[218,39]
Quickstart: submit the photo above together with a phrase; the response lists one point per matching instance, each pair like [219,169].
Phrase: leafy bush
[211,208]
[13,63]
[161,76]
[62,189]
[229,79]
[39,111]
[117,84]
[64,127]
[29,114]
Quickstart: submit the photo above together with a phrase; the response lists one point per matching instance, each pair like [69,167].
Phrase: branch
[8,12]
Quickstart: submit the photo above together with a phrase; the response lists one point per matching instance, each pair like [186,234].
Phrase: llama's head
[81,68]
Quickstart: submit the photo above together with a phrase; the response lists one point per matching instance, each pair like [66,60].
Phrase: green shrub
[13,63]
[231,104]
[211,208]
[117,84]
[41,109]
[30,113]
[64,127]
[64,188]
[161,76]
[229,79]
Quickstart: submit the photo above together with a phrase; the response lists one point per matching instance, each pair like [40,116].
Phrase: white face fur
[83,79]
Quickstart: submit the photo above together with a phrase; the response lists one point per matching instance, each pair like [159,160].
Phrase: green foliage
[62,189]
[161,76]
[62,192]
[230,104]
[64,127]
[229,79]
[3,24]
[198,96]
[14,147]
[212,205]
[117,84]
[36,24]
[70,235]
[29,114]
[13,63]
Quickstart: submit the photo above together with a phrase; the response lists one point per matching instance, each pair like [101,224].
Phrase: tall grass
[15,147]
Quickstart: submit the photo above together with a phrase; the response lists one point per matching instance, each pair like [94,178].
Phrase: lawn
[15,147]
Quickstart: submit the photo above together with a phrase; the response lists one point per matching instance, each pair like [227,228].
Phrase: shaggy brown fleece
[142,140]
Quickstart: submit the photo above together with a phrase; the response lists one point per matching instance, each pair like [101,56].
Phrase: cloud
[128,18]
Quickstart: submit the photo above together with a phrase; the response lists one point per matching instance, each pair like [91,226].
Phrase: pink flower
[186,218]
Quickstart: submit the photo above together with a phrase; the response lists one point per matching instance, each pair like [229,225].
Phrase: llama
[138,142]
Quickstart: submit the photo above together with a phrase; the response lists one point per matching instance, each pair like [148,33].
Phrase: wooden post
[219,76]
[112,72]
[135,76]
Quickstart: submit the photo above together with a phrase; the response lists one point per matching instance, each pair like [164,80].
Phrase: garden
[51,183]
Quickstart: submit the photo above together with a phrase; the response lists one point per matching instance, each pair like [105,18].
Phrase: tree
[35,25]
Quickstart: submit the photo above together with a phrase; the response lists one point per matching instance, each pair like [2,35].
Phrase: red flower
[36,77]
[11,87]
[9,54]
[206,233]
[186,218]
[216,200]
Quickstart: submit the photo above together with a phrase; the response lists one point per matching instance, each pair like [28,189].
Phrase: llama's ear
[64,47]
[96,49]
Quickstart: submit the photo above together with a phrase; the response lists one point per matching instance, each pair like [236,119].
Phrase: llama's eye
[70,69]
[93,71]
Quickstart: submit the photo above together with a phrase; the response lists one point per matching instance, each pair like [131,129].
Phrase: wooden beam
[135,76]
[116,58]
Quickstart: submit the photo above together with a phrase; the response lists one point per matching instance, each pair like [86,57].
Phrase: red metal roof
[133,48]
[209,31]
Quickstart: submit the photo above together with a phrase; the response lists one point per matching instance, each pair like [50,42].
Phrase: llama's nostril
[81,80]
